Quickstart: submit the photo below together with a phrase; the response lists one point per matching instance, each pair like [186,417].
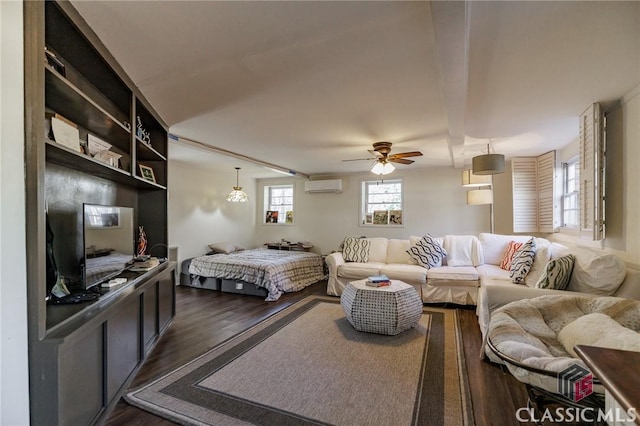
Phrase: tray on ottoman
[383,310]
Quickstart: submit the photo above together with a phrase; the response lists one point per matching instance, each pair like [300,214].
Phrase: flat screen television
[109,242]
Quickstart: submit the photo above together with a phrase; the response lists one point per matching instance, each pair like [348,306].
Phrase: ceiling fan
[381,151]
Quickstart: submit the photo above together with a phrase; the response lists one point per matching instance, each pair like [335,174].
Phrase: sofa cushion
[523,261]
[463,250]
[427,252]
[494,272]
[495,245]
[456,273]
[512,247]
[539,265]
[557,273]
[596,272]
[397,251]
[356,249]
[412,274]
[598,329]
[359,269]
[378,250]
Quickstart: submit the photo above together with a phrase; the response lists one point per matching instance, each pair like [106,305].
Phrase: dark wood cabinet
[82,356]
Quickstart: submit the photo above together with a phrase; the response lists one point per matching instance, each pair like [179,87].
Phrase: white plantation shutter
[525,195]
[592,173]
[533,193]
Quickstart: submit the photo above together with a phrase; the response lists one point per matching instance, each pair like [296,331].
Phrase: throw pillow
[356,249]
[224,247]
[557,273]
[523,261]
[427,252]
[508,255]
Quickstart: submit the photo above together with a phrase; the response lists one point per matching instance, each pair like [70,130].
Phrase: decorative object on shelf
[54,62]
[238,195]
[271,216]
[65,132]
[142,133]
[147,173]
[100,150]
[469,179]
[142,242]
[488,164]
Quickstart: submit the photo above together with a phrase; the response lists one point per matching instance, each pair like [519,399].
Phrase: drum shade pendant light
[237,195]
[488,164]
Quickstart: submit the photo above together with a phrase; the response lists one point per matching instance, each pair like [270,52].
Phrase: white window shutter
[592,173]
[525,194]
[546,165]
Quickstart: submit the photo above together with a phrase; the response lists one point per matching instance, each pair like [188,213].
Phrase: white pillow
[600,330]
[224,247]
[494,246]
[596,272]
[539,266]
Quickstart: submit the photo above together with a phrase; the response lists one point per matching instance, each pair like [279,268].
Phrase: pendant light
[488,164]
[237,195]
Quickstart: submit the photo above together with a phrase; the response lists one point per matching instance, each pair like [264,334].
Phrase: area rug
[307,365]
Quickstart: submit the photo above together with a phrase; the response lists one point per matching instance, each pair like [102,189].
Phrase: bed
[275,270]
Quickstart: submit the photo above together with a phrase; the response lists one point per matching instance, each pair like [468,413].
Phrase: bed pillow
[557,274]
[508,255]
[427,252]
[356,249]
[224,247]
[523,261]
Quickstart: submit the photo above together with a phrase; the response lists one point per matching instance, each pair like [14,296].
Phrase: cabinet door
[80,379]
[150,316]
[166,298]
[123,344]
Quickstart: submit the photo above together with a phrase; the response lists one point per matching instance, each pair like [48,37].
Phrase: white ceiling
[306,84]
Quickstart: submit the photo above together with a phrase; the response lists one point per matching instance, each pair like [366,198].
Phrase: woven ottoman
[383,310]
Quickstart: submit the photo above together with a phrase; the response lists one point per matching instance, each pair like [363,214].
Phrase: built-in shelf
[147,152]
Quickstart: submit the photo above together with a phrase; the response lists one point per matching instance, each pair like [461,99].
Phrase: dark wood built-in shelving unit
[82,356]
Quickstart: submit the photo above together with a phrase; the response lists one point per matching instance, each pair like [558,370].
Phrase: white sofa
[481,281]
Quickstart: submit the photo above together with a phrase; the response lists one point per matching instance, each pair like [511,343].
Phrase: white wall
[14,369]
[434,202]
[199,213]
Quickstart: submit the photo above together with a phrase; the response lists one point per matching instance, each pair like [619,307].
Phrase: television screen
[109,242]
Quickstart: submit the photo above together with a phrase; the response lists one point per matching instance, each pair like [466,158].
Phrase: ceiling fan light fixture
[382,168]
[237,195]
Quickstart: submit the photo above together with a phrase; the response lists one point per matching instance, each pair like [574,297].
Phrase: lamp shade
[237,195]
[479,197]
[472,180]
[381,168]
[488,164]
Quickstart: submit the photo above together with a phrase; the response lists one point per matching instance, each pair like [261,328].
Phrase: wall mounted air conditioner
[318,186]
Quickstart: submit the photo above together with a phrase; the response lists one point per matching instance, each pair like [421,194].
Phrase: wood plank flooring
[206,318]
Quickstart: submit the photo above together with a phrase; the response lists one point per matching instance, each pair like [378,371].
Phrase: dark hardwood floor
[205,318]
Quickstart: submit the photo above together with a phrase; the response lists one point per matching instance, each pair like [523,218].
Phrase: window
[571,194]
[382,203]
[278,204]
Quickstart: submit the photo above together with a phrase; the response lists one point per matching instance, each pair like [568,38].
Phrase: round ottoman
[383,310]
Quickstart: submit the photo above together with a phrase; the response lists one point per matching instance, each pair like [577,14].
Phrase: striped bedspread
[276,270]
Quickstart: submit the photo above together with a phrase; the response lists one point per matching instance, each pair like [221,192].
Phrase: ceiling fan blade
[406,154]
[376,153]
[400,160]
[359,159]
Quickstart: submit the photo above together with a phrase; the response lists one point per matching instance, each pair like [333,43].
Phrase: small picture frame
[271,216]
[289,217]
[146,173]
[381,217]
[395,217]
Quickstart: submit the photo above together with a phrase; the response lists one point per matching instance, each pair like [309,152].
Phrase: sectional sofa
[471,274]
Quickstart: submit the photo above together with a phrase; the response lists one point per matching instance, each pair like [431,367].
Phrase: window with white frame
[278,204]
[382,203]
[571,194]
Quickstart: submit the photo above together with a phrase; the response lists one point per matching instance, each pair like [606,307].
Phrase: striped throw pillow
[508,256]
[427,252]
[356,249]
[557,273]
[523,261]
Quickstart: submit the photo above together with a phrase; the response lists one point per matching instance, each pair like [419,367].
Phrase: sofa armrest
[334,260]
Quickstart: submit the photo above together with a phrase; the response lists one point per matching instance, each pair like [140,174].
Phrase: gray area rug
[307,365]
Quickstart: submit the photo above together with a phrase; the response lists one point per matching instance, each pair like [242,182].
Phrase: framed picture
[395,217]
[289,216]
[147,173]
[271,216]
[368,219]
[381,217]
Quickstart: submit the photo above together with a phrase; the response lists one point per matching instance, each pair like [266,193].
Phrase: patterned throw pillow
[508,256]
[427,252]
[558,273]
[523,261]
[356,249]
